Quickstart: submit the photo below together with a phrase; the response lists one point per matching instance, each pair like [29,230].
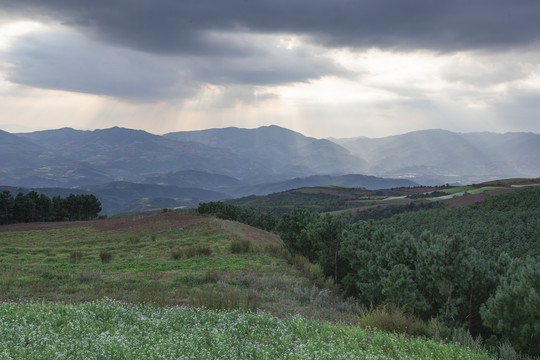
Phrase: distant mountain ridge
[448,155]
[232,162]
[279,149]
[350,180]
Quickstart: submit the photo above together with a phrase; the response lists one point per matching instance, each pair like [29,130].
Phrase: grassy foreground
[112,330]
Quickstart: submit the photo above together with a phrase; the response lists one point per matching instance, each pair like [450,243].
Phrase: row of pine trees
[34,207]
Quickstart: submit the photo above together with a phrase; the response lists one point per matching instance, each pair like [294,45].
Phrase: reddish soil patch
[174,221]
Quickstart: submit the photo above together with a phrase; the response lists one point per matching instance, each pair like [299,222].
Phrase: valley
[373,240]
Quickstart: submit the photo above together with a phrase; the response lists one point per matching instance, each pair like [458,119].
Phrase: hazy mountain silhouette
[16,152]
[279,150]
[135,169]
[126,153]
[191,178]
[444,153]
[351,180]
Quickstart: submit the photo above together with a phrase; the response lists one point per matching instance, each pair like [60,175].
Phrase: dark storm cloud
[67,62]
[172,26]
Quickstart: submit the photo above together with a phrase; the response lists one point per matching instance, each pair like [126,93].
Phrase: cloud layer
[170,26]
[362,62]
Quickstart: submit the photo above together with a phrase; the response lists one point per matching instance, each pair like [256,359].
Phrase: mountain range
[133,169]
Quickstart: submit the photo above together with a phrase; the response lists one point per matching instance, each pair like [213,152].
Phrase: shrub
[203,250]
[211,276]
[105,256]
[393,320]
[240,246]
[75,256]
[190,252]
[315,272]
[276,250]
[134,240]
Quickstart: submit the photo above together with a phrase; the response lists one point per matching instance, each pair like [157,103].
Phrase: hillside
[125,153]
[191,179]
[184,168]
[165,260]
[282,151]
[448,157]
[350,180]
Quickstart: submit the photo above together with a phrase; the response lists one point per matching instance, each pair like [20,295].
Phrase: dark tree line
[34,207]
[475,268]
[241,214]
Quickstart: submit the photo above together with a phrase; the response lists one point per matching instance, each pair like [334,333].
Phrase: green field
[129,288]
[111,330]
[164,262]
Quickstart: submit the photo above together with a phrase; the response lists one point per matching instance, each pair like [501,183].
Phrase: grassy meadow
[168,259]
[111,330]
[184,287]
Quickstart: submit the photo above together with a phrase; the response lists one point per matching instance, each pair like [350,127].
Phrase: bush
[240,246]
[393,320]
[75,256]
[211,276]
[276,250]
[105,256]
[190,252]
[315,272]
[134,239]
[203,251]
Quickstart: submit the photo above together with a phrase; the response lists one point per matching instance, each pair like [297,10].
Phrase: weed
[312,271]
[393,320]
[240,246]
[105,256]
[211,276]
[315,272]
[91,275]
[276,250]
[463,337]
[134,240]
[190,252]
[75,256]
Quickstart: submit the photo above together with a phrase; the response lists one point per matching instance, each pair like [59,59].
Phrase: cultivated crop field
[111,330]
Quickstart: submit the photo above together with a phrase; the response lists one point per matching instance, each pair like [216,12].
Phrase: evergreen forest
[34,207]
[474,268]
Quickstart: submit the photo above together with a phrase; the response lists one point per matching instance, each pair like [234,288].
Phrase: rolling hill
[126,153]
[350,180]
[447,157]
[282,151]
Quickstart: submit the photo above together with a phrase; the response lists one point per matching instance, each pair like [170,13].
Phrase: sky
[325,68]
